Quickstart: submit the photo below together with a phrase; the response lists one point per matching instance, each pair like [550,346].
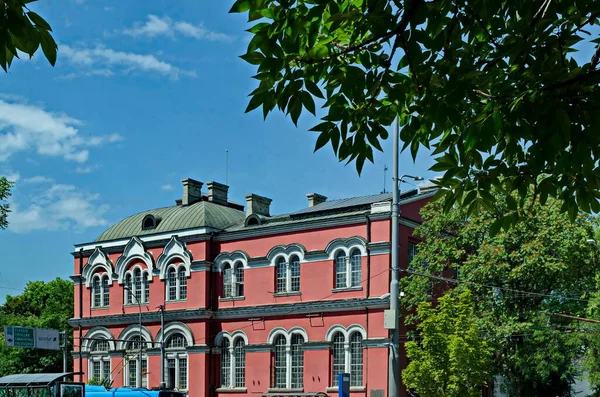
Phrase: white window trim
[177,354]
[101,357]
[101,289]
[135,357]
[288,271]
[347,334]
[145,275]
[234,282]
[177,267]
[348,259]
[231,338]
[288,350]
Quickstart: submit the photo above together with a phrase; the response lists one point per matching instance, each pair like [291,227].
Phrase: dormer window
[149,222]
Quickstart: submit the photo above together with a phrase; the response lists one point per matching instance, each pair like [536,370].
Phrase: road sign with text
[27,337]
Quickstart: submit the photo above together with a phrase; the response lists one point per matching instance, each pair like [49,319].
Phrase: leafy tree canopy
[518,279]
[5,186]
[490,87]
[41,305]
[23,30]
[450,358]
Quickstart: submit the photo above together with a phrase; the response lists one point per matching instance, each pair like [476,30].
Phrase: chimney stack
[217,192]
[192,191]
[315,198]
[258,205]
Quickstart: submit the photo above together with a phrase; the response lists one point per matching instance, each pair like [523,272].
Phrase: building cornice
[239,313]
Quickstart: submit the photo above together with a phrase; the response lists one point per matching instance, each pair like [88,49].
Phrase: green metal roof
[200,214]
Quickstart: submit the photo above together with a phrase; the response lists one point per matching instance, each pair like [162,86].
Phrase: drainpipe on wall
[209,344]
[80,312]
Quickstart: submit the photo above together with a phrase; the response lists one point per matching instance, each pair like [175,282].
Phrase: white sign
[47,339]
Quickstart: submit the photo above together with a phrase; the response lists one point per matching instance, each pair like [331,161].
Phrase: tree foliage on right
[522,280]
[5,186]
[491,87]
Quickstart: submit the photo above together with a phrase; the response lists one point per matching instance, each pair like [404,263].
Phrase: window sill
[346,289]
[232,390]
[232,299]
[176,301]
[291,293]
[277,390]
[100,307]
[135,304]
[352,389]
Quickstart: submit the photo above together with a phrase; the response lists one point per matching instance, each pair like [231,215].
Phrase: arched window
[233,280]
[233,363]
[149,222]
[177,361]
[280,363]
[97,292]
[348,269]
[132,347]
[347,357]
[137,284]
[288,361]
[176,283]
[128,289]
[99,360]
[105,291]
[281,269]
[294,273]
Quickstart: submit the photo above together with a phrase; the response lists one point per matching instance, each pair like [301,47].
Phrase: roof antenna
[227,166]
[385,168]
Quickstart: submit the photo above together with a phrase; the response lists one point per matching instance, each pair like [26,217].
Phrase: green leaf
[253,58]
[49,46]
[39,21]
[495,227]
[240,6]
[308,102]
[313,88]
[255,102]
[295,108]
[322,140]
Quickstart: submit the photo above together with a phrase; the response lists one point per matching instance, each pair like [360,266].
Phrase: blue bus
[101,391]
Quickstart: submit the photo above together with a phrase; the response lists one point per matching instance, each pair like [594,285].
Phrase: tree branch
[411,67]
[404,21]
[595,58]
[377,88]
[573,80]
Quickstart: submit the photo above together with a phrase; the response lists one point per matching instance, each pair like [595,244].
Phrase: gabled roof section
[199,214]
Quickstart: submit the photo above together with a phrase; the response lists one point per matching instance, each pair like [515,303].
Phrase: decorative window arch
[133,250]
[97,261]
[233,359]
[176,360]
[287,364]
[347,353]
[137,285]
[176,327]
[232,266]
[97,333]
[100,290]
[174,252]
[99,359]
[346,255]
[286,260]
[131,341]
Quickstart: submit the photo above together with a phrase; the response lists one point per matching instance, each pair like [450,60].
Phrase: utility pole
[138,367]
[393,364]
[65,347]
[163,384]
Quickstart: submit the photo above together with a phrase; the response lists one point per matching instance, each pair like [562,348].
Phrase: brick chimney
[192,191]
[217,192]
[315,198]
[258,205]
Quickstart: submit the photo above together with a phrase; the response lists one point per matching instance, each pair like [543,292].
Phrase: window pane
[239,279]
[176,341]
[281,276]
[297,369]
[340,270]
[338,357]
[96,292]
[280,363]
[295,273]
[356,360]
[225,364]
[240,363]
[99,346]
[105,292]
[96,370]
[182,283]
[171,364]
[144,372]
[355,263]
[172,284]
[227,282]
[131,369]
[412,251]
[146,283]
[182,373]
[137,281]
[128,289]
[105,368]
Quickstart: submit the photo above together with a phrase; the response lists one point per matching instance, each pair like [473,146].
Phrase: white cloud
[38,179]
[61,207]
[24,127]
[166,187]
[86,169]
[156,26]
[105,58]
[13,176]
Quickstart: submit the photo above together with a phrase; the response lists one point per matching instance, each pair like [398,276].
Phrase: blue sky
[144,94]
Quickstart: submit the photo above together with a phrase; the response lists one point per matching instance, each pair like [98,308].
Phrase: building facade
[253,303]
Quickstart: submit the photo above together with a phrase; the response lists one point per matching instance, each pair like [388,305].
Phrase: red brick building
[254,303]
